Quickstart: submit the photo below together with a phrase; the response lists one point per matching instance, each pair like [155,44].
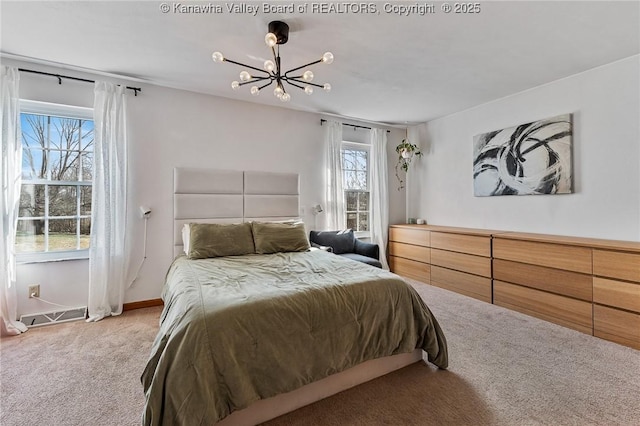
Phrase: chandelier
[272,72]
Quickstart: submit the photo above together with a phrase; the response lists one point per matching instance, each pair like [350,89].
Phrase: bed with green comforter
[238,329]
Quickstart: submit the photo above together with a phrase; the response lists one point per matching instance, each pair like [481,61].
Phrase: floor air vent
[46,318]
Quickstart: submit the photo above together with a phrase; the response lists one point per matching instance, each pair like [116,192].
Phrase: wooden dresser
[461,261]
[616,292]
[544,276]
[409,251]
[457,259]
[590,285]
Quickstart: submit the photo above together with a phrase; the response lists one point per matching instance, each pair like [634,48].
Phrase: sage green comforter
[242,328]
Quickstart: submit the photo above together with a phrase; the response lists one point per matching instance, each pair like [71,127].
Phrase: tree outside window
[57,174]
[355,167]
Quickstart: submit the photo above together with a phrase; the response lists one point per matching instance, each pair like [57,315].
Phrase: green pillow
[274,237]
[215,240]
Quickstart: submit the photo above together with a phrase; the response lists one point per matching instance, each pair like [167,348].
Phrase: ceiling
[388,68]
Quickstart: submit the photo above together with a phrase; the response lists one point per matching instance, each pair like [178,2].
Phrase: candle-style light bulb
[327,58]
[307,75]
[270,39]
[217,57]
[269,65]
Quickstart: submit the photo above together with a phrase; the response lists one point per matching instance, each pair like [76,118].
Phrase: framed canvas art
[532,158]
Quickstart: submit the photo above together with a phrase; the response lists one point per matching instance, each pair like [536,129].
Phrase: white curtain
[379,192]
[108,253]
[335,209]
[10,170]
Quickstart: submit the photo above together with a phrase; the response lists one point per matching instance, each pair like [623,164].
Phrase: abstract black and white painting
[532,158]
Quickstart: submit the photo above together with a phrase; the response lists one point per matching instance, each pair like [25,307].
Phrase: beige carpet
[505,369]
[77,373]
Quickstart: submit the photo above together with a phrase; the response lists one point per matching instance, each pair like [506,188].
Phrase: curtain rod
[355,126]
[60,77]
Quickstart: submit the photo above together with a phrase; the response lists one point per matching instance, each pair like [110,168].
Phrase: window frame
[65,111]
[358,146]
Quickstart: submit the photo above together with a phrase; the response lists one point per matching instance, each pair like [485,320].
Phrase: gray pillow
[273,237]
[215,240]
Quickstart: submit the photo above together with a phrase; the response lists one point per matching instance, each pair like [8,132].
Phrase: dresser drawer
[613,264]
[469,244]
[618,294]
[461,282]
[566,283]
[572,313]
[462,262]
[410,236]
[409,251]
[615,325]
[410,269]
[570,258]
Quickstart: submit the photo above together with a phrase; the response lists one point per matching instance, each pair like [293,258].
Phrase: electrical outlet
[34,291]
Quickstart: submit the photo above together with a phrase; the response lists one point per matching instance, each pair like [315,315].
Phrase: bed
[248,337]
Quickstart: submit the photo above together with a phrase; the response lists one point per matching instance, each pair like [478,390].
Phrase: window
[54,220]
[355,169]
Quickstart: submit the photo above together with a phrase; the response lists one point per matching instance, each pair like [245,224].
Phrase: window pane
[53,164]
[31,201]
[62,234]
[71,133]
[348,159]
[354,165]
[87,135]
[85,200]
[361,162]
[85,232]
[30,236]
[363,222]
[55,135]
[349,180]
[64,165]
[64,133]
[71,165]
[352,221]
[87,166]
[352,201]
[58,149]
[363,201]
[33,164]
[62,200]
[361,180]
[34,130]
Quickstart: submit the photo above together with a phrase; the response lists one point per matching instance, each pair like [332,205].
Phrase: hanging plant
[406,151]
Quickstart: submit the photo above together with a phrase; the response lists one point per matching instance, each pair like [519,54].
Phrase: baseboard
[142,304]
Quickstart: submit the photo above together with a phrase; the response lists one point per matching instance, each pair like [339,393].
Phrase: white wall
[170,128]
[606,157]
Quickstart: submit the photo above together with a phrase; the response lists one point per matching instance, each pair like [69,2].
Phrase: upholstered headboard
[226,196]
